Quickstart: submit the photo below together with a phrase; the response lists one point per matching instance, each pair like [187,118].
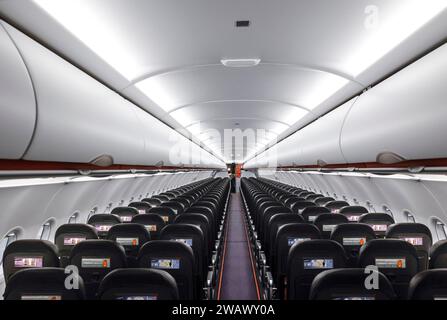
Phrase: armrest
[258,244]
[263,258]
[214,258]
[217,245]
[210,278]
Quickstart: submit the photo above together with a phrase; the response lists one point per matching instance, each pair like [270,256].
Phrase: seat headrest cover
[353,209]
[47,281]
[77,228]
[104,218]
[99,248]
[330,218]
[124,211]
[138,281]
[351,229]
[376,217]
[134,229]
[166,247]
[30,253]
[438,255]
[348,283]
[409,228]
[299,228]
[316,246]
[389,249]
[181,228]
[148,218]
[315,210]
[32,246]
[428,285]
[162,210]
[191,217]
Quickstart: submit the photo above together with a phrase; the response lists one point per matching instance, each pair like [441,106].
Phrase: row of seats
[298,234]
[171,238]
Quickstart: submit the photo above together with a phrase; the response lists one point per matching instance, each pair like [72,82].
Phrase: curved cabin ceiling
[166,56]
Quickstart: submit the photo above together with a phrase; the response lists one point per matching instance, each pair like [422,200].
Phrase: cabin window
[73,218]
[92,212]
[45,231]
[10,238]
[387,210]
[370,206]
[441,231]
[410,216]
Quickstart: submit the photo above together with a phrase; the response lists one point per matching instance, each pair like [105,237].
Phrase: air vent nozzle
[389,158]
[104,160]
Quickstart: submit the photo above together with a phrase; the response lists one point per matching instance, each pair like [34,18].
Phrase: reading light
[238,63]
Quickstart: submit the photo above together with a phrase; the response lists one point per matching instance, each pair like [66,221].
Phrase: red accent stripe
[219,287]
[46,165]
[441,162]
[253,269]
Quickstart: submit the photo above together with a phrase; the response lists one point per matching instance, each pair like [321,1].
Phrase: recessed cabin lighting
[238,63]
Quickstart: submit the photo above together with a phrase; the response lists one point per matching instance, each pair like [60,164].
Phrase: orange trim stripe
[219,287]
[253,269]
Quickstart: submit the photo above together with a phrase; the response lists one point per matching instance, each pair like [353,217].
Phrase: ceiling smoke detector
[238,63]
[242,23]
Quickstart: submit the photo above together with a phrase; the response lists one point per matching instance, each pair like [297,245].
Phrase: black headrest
[103,218]
[166,249]
[352,234]
[277,209]
[409,232]
[68,235]
[374,217]
[177,206]
[299,205]
[125,213]
[302,253]
[305,229]
[389,254]
[326,222]
[186,217]
[153,202]
[353,209]
[138,284]
[31,253]
[141,206]
[353,213]
[335,206]
[349,284]
[438,255]
[310,213]
[323,201]
[152,221]
[130,235]
[166,213]
[286,218]
[428,285]
[42,284]
[199,209]
[180,229]
[91,255]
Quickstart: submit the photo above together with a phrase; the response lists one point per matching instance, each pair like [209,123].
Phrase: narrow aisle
[237,278]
